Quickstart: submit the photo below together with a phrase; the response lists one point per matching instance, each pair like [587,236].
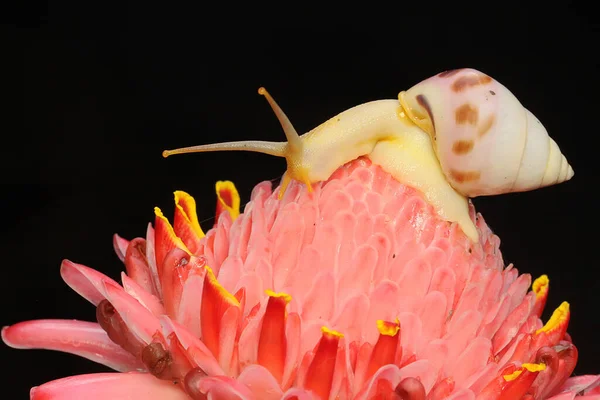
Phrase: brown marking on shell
[486,125]
[422,100]
[466,114]
[449,73]
[470,80]
[464,176]
[462,146]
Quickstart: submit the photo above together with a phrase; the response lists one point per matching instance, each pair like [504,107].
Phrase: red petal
[185,222]
[319,375]
[272,342]
[556,327]
[215,302]
[540,288]
[384,351]
[165,239]
[228,199]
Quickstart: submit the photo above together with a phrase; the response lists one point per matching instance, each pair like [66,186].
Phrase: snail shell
[487,143]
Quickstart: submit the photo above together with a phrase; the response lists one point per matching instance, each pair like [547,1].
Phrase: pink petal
[223,388]
[473,359]
[433,315]
[463,333]
[583,383]
[197,350]
[227,338]
[141,322]
[316,305]
[297,394]
[86,281]
[390,373]
[136,265]
[114,386]
[261,383]
[147,299]
[565,396]
[120,245]
[464,394]
[191,298]
[423,370]
[151,258]
[85,339]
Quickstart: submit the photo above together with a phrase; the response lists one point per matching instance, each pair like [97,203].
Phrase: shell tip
[570,173]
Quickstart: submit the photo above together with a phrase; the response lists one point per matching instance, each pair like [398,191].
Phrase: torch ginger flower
[356,290]
[352,286]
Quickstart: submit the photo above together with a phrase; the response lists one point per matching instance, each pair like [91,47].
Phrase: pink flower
[354,291]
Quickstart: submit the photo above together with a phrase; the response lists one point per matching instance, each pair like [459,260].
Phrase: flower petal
[84,339]
[147,299]
[540,288]
[261,383]
[141,322]
[221,388]
[87,282]
[185,221]
[582,383]
[120,245]
[195,348]
[136,264]
[228,199]
[114,386]
[165,240]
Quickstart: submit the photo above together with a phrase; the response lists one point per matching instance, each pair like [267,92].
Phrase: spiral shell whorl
[486,141]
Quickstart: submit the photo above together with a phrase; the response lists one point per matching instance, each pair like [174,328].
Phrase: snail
[486,141]
[457,135]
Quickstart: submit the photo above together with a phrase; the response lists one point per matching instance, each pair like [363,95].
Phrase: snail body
[459,134]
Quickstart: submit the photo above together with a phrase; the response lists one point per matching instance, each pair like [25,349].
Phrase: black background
[102,91]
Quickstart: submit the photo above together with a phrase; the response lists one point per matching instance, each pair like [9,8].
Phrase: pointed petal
[141,322]
[272,344]
[197,350]
[84,339]
[518,382]
[174,264]
[540,288]
[147,299]
[137,267]
[114,386]
[185,221]
[215,302]
[120,246]
[228,199]
[556,327]
[319,376]
[151,258]
[582,383]
[384,351]
[165,240]
[87,282]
